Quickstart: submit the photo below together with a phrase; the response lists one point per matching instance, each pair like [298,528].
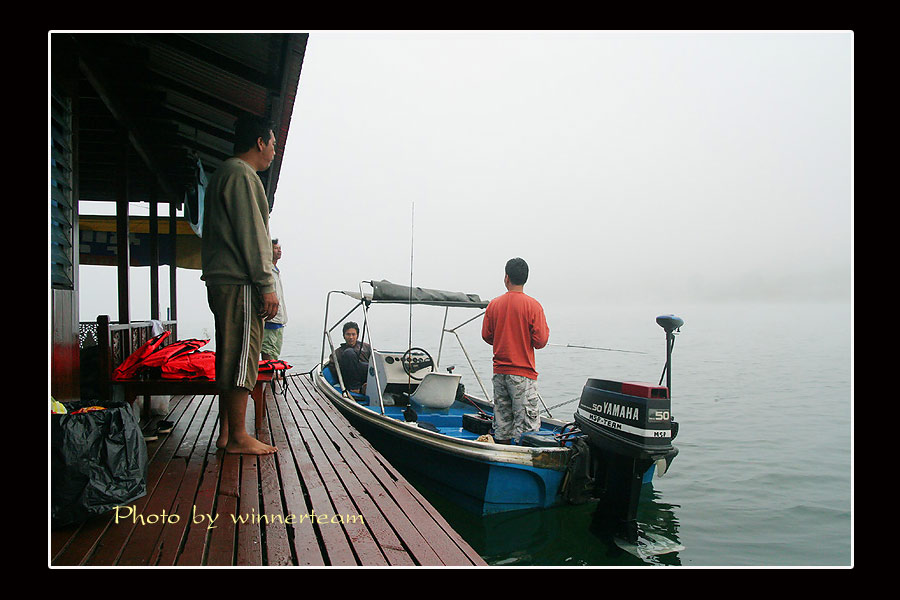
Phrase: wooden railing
[116,342]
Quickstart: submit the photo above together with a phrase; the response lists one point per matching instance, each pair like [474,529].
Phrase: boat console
[411,372]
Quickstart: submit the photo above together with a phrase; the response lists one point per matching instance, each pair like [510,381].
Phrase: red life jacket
[191,365]
[131,365]
[172,351]
[266,366]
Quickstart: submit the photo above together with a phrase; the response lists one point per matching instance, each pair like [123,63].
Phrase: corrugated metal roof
[236,47]
[177,96]
[198,75]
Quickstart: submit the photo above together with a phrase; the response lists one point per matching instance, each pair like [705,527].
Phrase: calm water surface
[763,396]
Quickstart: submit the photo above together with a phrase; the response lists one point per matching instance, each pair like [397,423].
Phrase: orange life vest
[200,364]
[172,351]
[266,366]
[131,365]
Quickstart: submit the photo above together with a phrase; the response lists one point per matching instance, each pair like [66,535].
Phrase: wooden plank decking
[349,506]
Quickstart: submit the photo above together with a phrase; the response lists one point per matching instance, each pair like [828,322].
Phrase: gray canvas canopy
[386,292]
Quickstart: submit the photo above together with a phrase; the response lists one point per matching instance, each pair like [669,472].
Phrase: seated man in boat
[353,358]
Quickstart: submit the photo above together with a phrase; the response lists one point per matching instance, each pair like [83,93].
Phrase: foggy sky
[623,166]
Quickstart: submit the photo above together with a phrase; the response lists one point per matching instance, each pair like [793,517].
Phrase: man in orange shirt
[514,324]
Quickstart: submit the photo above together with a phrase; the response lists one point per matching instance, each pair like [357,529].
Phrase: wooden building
[142,117]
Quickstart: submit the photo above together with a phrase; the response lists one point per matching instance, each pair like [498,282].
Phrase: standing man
[273,335]
[237,268]
[514,324]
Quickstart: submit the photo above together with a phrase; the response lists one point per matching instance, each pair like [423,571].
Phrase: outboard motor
[629,428]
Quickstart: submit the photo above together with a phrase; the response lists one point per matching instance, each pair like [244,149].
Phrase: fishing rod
[596,348]
[547,410]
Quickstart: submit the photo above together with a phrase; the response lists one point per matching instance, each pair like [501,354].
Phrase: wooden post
[105,343]
[154,256]
[122,234]
[173,233]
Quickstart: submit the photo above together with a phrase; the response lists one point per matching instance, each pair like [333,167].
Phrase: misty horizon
[625,167]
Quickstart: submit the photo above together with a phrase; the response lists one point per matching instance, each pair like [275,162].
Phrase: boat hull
[480,486]
[481,477]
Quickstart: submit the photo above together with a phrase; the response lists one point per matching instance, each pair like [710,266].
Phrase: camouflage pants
[515,406]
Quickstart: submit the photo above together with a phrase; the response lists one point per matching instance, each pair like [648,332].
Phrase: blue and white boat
[424,423]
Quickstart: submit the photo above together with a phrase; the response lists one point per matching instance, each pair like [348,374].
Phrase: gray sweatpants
[515,406]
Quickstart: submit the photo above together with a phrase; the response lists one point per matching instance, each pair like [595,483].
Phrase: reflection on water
[562,536]
[658,526]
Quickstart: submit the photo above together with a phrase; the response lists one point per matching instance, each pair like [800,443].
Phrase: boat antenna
[412,228]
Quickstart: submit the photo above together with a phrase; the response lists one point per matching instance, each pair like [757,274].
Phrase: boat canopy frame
[385,292]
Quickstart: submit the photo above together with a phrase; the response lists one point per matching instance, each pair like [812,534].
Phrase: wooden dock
[327,497]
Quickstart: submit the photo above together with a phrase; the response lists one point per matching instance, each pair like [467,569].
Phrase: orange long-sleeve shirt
[515,325]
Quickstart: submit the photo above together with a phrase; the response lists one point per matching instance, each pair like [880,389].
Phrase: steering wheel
[406,361]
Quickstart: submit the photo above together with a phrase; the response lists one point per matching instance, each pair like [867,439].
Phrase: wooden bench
[188,387]
[116,342]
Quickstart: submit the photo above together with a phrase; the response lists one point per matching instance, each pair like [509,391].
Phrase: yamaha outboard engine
[629,428]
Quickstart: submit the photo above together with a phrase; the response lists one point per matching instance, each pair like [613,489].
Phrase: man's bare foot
[223,433]
[248,445]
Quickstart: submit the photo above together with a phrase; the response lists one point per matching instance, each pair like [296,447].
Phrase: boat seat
[437,390]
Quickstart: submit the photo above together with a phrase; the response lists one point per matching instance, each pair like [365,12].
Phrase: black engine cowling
[631,419]
[628,427]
